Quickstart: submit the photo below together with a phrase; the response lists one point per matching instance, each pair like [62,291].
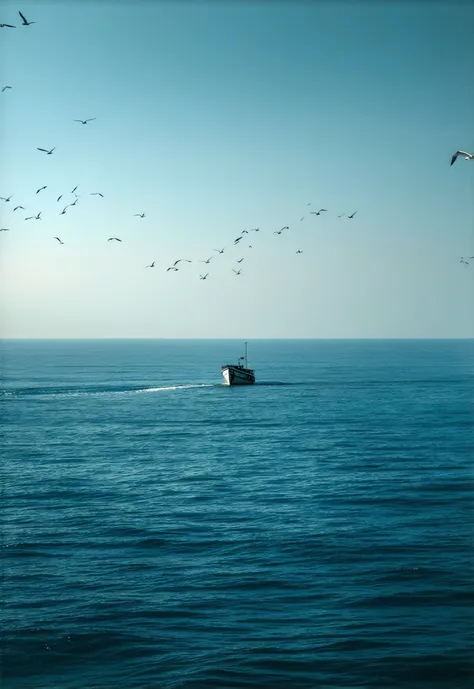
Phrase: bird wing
[90,119]
[43,149]
[22,16]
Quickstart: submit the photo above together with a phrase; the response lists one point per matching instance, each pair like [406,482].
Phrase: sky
[214,118]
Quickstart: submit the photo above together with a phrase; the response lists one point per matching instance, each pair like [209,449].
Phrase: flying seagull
[208,260]
[46,150]
[41,189]
[74,202]
[351,216]
[59,198]
[299,251]
[152,265]
[172,268]
[219,251]
[3,198]
[238,240]
[321,210]
[280,231]
[37,217]
[25,21]
[240,260]
[58,240]
[237,272]
[10,26]
[255,229]
[463,261]
[203,277]
[30,217]
[302,218]
[97,193]
[140,215]
[17,207]
[468,156]
[85,121]
[5,88]
[4,229]
[63,212]
[341,216]
[245,231]
[72,192]
[181,259]
[116,239]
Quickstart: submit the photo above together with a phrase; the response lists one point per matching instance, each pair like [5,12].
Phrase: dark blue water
[314,530]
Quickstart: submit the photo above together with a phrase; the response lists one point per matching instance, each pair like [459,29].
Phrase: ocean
[161,530]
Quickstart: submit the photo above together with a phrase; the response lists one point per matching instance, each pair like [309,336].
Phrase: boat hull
[235,375]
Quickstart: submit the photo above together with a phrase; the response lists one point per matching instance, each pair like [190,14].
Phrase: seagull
[10,26]
[299,251]
[74,202]
[238,240]
[237,272]
[116,239]
[41,189]
[4,229]
[152,265]
[5,88]
[240,260]
[85,121]
[59,198]
[97,193]
[245,231]
[351,216]
[46,150]
[37,217]
[203,277]
[172,268]
[302,218]
[140,215]
[341,216]
[321,210]
[463,261]
[181,259]
[30,217]
[72,192]
[58,240]
[280,231]
[3,198]
[468,156]
[64,210]
[25,21]
[17,207]
[219,251]
[255,229]
[250,246]
[208,260]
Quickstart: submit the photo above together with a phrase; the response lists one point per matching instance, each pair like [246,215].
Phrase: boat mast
[246,355]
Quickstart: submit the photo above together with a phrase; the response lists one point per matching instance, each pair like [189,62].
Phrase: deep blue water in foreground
[161,530]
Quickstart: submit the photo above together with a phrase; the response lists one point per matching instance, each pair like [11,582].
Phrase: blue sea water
[161,530]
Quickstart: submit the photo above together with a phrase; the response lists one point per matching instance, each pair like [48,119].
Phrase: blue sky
[214,118]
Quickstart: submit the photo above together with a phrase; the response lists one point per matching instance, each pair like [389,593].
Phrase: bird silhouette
[140,215]
[85,121]
[17,207]
[240,260]
[5,88]
[152,265]
[238,240]
[351,216]
[46,150]
[299,251]
[97,193]
[58,240]
[208,260]
[4,229]
[203,277]
[321,210]
[41,189]
[237,272]
[24,20]
[172,268]
[10,26]
[114,239]
[181,260]
[75,188]
[6,199]
[219,251]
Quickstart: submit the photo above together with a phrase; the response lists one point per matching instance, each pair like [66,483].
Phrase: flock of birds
[174,268]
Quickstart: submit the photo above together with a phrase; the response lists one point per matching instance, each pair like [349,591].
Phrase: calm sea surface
[161,530]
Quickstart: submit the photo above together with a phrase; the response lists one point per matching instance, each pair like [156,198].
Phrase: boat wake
[53,393]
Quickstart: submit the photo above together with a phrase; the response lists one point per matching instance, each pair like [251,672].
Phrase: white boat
[239,374]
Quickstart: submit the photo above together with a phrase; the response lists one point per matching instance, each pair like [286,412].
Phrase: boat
[239,374]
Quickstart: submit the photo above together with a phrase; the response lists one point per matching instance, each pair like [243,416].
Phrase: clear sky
[213,118]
